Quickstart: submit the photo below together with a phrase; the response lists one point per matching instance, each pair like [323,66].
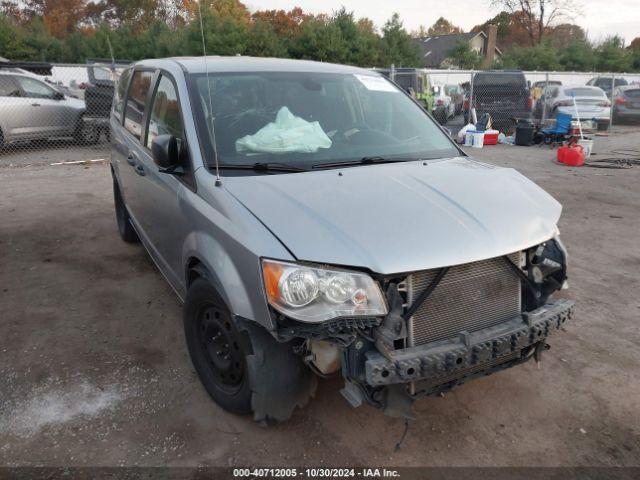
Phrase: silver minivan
[316,221]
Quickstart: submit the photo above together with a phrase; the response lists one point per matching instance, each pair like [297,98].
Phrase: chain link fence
[454,96]
[65,107]
[53,107]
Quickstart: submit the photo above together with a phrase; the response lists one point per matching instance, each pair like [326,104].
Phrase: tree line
[136,29]
[74,30]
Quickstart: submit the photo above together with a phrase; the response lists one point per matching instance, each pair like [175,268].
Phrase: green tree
[223,35]
[543,56]
[611,56]
[397,45]
[463,57]
[10,44]
[319,39]
[577,56]
[263,41]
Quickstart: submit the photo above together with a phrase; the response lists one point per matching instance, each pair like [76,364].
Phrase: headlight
[315,294]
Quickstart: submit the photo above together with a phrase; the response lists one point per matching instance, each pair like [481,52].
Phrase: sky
[600,18]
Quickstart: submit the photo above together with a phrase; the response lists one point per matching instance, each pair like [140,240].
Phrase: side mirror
[58,95]
[164,149]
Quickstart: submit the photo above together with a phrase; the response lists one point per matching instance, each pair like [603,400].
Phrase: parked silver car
[591,102]
[346,234]
[34,110]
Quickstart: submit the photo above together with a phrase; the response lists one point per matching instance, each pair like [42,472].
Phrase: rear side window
[8,88]
[140,84]
[604,82]
[504,80]
[584,92]
[635,94]
[165,116]
[120,91]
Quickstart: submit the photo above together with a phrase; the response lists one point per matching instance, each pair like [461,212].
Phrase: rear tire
[126,230]
[85,133]
[241,365]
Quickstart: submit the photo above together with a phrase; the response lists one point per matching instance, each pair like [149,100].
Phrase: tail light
[563,103]
[439,102]
[621,101]
[606,103]
[465,105]
[530,103]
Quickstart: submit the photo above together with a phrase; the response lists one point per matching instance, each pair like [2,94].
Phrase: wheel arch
[239,286]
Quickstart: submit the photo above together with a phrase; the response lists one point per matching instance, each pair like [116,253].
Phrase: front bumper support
[469,350]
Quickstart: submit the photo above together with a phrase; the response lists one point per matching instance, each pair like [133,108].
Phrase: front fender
[229,241]
[225,276]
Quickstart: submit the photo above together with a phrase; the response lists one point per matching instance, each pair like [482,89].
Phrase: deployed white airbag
[286,135]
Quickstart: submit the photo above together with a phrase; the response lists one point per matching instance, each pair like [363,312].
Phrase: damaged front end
[442,328]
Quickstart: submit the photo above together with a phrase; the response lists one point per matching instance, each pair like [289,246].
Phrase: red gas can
[562,151]
[573,156]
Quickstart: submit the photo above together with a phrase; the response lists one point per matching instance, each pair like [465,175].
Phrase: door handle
[35,104]
[139,169]
[131,160]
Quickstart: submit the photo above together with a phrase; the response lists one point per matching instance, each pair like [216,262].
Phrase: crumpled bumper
[470,350]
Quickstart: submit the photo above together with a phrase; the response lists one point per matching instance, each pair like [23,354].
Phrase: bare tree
[535,16]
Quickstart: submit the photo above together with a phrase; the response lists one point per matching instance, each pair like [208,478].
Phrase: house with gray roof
[435,49]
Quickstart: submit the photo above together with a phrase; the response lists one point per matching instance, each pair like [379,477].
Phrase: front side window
[165,116]
[34,88]
[140,84]
[120,91]
[304,119]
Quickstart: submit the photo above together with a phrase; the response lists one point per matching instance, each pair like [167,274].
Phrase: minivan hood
[401,217]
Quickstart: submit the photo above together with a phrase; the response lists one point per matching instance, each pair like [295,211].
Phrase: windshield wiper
[263,167]
[362,161]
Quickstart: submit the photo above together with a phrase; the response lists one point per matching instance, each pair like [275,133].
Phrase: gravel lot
[94,369]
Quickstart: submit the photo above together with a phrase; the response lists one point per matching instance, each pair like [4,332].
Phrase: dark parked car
[504,95]
[605,83]
[98,94]
[626,103]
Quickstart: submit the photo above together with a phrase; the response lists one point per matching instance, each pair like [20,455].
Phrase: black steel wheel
[242,367]
[216,348]
[220,346]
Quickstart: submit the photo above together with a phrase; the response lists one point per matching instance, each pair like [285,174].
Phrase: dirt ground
[94,369]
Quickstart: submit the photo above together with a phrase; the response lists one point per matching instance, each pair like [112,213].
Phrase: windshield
[303,119]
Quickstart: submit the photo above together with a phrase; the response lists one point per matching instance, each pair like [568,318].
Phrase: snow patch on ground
[57,407]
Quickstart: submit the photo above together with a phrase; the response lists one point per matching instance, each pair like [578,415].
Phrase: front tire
[216,348]
[241,365]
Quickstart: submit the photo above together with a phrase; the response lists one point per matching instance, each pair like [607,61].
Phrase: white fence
[53,108]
